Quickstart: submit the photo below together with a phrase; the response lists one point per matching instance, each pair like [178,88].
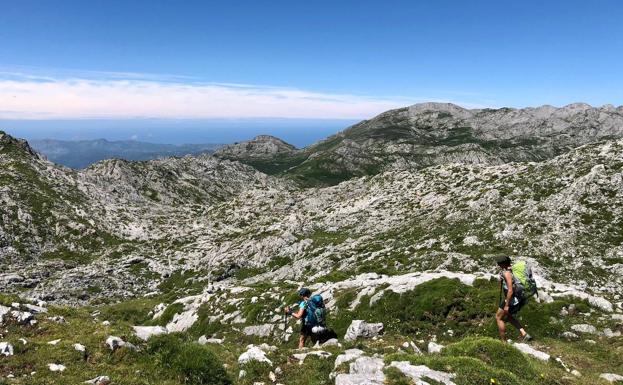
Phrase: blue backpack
[316,314]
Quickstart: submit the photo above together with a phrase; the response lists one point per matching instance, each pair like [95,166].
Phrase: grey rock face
[259,330]
[362,329]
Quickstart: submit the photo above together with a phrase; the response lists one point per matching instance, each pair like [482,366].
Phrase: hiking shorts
[306,331]
[513,309]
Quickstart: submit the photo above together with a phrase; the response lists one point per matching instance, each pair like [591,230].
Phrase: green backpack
[522,272]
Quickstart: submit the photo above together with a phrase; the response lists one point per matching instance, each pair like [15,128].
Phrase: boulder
[434,347]
[300,357]
[610,334]
[264,330]
[348,356]
[611,377]
[22,317]
[527,349]
[419,373]
[359,328]
[253,353]
[35,309]
[57,319]
[6,349]
[203,340]
[56,367]
[584,328]
[4,310]
[145,332]
[99,380]
[570,335]
[364,371]
[115,342]
[332,342]
[181,322]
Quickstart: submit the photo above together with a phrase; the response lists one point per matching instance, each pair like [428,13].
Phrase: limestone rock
[434,347]
[529,350]
[363,371]
[99,380]
[114,342]
[145,332]
[611,377]
[419,373]
[264,330]
[6,349]
[347,356]
[253,353]
[362,329]
[584,328]
[204,340]
[56,367]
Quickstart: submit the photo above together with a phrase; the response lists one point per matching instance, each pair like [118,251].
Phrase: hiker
[512,302]
[312,314]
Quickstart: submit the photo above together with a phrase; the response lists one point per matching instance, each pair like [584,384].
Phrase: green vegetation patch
[188,362]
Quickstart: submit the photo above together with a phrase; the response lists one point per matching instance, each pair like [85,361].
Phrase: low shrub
[494,353]
[467,370]
[134,311]
[189,362]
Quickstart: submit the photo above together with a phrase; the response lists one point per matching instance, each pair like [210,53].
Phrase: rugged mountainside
[82,153]
[438,133]
[137,223]
[177,270]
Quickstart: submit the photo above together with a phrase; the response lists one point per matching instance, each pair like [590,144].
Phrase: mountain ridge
[434,133]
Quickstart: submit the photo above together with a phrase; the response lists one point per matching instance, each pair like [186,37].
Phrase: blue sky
[248,61]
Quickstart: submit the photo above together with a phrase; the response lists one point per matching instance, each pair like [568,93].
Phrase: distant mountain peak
[259,147]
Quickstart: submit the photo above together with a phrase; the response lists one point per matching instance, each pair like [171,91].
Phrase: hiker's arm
[509,294]
[299,314]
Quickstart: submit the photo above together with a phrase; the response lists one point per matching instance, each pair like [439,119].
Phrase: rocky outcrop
[362,329]
[262,146]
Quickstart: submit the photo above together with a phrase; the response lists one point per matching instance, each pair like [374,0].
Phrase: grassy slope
[431,309]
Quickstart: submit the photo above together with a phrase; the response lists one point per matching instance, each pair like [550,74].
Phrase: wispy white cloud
[24,96]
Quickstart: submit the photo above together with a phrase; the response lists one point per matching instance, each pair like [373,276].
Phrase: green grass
[187,362]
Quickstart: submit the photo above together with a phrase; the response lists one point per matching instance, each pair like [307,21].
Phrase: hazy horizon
[298,132]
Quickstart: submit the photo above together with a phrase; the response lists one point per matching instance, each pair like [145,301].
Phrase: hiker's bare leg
[499,318]
[517,325]
[302,341]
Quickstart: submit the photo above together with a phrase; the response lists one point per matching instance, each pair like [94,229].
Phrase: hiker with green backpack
[518,285]
[312,313]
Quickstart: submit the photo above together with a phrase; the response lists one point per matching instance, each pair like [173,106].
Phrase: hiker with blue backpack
[518,285]
[312,313]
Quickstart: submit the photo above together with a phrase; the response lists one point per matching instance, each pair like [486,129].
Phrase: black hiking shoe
[525,338]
